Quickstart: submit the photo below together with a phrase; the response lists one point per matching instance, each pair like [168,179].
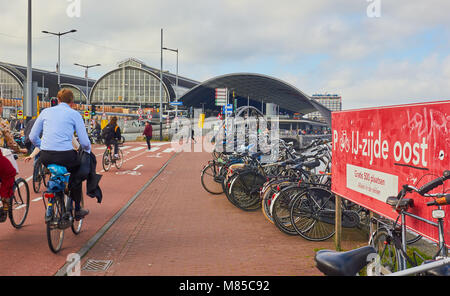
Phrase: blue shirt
[58,124]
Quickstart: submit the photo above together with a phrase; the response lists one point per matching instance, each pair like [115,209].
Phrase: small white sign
[372,183]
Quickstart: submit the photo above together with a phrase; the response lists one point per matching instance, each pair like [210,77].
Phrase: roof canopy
[258,88]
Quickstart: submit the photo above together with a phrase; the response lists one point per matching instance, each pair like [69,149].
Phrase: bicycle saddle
[343,263]
[404,203]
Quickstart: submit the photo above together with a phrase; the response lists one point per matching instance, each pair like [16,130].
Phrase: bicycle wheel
[280,208]
[19,203]
[383,242]
[55,233]
[106,160]
[313,214]
[119,161]
[209,179]
[37,177]
[76,224]
[245,190]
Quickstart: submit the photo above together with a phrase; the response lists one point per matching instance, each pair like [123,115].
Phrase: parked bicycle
[388,243]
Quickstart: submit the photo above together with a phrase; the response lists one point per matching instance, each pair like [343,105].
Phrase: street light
[176,93]
[59,34]
[88,101]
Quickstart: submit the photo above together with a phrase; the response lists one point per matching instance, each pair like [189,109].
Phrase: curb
[85,249]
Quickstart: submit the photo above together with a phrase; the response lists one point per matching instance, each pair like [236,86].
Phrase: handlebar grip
[434,183]
[431,185]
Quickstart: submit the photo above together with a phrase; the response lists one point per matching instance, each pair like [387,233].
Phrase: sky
[371,52]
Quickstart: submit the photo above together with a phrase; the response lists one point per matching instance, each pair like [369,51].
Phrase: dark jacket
[87,171]
[148,131]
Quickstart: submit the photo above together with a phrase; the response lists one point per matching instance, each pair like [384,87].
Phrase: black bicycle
[59,208]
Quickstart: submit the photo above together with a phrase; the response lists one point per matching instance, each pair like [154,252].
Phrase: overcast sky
[373,55]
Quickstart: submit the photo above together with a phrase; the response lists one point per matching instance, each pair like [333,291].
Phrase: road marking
[158,155]
[168,150]
[153,149]
[37,199]
[139,166]
[137,148]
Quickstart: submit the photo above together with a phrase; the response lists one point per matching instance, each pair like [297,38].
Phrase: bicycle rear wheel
[119,161]
[19,203]
[55,233]
[106,160]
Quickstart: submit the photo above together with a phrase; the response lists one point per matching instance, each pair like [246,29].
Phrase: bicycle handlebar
[434,183]
[445,200]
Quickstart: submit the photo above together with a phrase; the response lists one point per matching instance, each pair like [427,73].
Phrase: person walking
[148,133]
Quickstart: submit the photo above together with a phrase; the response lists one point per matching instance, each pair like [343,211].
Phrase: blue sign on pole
[179,103]
[227,109]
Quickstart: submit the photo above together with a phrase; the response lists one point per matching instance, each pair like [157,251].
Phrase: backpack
[108,133]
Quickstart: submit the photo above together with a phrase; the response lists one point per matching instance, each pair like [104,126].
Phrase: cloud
[316,45]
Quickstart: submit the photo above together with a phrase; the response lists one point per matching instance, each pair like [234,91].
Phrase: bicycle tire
[279,209]
[37,177]
[76,224]
[382,242]
[19,203]
[55,234]
[245,190]
[313,213]
[208,176]
[106,160]
[119,162]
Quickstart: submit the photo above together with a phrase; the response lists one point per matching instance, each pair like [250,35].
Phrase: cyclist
[111,134]
[58,125]
[7,171]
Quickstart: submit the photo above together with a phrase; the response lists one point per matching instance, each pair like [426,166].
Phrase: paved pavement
[175,228]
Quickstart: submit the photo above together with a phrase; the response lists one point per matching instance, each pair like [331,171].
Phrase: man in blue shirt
[58,125]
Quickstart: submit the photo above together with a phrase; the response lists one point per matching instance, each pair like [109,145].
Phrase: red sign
[376,151]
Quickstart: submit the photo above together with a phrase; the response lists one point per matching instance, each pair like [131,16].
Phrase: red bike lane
[25,251]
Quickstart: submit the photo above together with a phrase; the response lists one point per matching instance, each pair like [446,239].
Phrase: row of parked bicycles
[294,194]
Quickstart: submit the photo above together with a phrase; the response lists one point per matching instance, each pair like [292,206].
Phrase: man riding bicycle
[112,135]
[58,125]
[7,171]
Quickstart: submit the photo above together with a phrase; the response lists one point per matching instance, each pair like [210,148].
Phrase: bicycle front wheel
[19,203]
[106,160]
[55,233]
[209,179]
[37,177]
[383,242]
[313,214]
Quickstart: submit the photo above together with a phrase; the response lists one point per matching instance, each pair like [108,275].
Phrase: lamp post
[176,93]
[88,101]
[59,34]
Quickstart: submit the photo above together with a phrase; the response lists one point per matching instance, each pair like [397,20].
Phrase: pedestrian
[148,133]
